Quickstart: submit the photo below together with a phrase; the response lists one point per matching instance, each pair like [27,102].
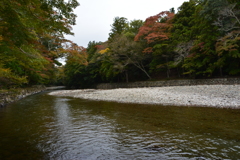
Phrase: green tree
[92,49]
[133,28]
[215,50]
[125,52]
[182,37]
[119,25]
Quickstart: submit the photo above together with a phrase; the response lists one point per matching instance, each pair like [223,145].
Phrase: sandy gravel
[224,96]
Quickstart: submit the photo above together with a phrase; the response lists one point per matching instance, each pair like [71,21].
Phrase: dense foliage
[31,39]
[201,40]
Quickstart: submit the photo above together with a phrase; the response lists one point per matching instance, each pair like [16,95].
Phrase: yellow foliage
[104,51]
[7,78]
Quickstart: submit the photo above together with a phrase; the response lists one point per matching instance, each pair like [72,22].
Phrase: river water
[48,127]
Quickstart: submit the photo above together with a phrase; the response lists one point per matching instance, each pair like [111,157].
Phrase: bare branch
[228,20]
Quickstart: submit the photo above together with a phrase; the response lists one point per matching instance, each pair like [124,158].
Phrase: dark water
[48,127]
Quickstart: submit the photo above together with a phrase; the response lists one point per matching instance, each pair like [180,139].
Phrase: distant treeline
[201,39]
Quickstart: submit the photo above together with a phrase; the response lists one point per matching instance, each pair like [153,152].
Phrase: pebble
[223,96]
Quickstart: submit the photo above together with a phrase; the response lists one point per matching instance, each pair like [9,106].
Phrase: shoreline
[219,96]
[12,95]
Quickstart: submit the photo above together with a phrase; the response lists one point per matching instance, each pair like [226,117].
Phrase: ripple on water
[80,129]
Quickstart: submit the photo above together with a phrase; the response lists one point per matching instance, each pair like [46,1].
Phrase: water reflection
[48,127]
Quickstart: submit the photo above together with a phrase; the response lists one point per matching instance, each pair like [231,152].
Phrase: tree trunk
[168,71]
[141,67]
[178,72]
[220,69]
[126,72]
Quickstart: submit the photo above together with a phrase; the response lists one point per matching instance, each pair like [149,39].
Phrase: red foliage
[48,59]
[191,55]
[198,48]
[155,27]
[148,50]
[43,75]
[100,47]
[201,44]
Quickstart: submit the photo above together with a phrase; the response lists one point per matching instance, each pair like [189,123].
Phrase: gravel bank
[223,96]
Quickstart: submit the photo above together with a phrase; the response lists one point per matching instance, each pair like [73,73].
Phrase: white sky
[96,16]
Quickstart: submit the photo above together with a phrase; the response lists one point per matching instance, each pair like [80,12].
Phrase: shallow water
[48,127]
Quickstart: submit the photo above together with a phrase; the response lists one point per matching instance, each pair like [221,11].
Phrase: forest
[199,40]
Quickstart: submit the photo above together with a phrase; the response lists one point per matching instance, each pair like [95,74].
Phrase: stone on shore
[224,96]
[11,95]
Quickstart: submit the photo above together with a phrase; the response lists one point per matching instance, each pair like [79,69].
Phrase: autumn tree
[155,28]
[25,26]
[74,70]
[156,33]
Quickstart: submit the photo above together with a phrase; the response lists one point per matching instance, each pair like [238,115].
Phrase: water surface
[48,127]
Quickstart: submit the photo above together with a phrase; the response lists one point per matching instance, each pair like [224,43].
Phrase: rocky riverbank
[223,96]
[11,95]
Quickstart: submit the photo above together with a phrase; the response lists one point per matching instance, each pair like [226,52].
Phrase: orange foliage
[100,47]
[148,50]
[48,59]
[156,27]
[77,54]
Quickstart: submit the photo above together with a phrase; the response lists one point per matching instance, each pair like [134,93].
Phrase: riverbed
[43,126]
[222,96]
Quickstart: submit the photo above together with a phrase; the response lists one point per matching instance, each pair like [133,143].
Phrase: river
[42,126]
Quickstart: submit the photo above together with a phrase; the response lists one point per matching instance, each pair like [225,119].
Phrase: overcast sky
[96,16]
